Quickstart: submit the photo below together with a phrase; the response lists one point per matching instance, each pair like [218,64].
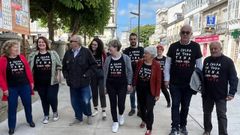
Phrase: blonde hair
[116,44]
[7,45]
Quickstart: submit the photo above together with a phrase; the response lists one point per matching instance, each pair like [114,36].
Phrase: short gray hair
[152,50]
[78,38]
[115,43]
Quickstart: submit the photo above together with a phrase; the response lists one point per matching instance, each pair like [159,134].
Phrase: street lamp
[130,23]
[138,14]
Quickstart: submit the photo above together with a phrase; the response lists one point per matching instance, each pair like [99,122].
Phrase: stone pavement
[161,125]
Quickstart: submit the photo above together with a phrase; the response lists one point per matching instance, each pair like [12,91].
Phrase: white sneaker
[115,127]
[121,120]
[104,115]
[45,120]
[95,112]
[55,116]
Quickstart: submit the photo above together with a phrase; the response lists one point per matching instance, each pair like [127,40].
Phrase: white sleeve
[199,63]
[167,69]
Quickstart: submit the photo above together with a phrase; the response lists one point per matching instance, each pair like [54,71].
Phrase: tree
[85,17]
[145,32]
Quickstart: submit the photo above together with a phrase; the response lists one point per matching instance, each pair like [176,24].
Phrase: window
[237,9]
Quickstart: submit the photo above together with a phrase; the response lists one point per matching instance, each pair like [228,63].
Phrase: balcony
[163,22]
[221,28]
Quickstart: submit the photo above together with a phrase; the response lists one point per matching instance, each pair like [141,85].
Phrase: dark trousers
[49,97]
[117,96]
[80,100]
[165,93]
[133,100]
[24,92]
[221,109]
[181,95]
[146,105]
[98,88]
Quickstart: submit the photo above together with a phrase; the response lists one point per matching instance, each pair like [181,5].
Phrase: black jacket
[79,70]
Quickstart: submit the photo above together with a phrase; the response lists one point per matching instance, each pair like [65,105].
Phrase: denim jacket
[56,64]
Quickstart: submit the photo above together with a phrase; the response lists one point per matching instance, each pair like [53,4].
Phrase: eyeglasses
[71,41]
[185,32]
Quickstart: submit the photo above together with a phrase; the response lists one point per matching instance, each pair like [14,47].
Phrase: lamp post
[138,14]
[130,23]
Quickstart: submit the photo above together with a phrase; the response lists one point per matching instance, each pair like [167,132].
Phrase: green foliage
[145,32]
[75,16]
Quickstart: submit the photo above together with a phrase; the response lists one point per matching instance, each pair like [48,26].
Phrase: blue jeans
[80,100]
[133,100]
[181,95]
[24,92]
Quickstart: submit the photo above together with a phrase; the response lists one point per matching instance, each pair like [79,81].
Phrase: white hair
[152,50]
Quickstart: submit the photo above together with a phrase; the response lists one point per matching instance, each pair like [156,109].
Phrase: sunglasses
[71,41]
[185,32]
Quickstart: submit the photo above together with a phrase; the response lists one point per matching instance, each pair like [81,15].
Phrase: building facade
[160,32]
[110,31]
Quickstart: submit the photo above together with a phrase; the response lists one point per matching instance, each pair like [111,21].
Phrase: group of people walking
[141,72]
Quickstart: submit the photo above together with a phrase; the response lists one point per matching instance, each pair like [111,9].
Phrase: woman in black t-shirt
[46,67]
[96,47]
[162,59]
[15,80]
[147,80]
[117,80]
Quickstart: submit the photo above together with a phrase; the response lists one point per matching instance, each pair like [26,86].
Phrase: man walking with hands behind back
[218,71]
[182,57]
[79,66]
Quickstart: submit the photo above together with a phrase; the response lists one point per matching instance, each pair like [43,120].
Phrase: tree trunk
[50,26]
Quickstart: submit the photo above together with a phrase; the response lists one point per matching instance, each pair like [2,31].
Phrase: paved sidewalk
[161,125]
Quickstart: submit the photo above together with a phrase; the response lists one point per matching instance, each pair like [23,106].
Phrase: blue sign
[211,20]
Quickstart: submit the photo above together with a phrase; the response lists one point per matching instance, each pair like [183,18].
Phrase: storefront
[204,41]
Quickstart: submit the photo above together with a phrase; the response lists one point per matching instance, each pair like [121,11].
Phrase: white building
[124,39]
[234,27]
[110,31]
[175,21]
[160,32]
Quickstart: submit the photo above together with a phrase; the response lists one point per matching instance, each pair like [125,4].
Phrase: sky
[148,12]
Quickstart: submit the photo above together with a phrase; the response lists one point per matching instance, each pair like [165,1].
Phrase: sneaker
[104,115]
[89,120]
[32,124]
[184,131]
[206,133]
[75,122]
[45,120]
[168,105]
[95,112]
[148,132]
[142,125]
[55,116]
[132,112]
[121,120]
[174,131]
[11,131]
[115,127]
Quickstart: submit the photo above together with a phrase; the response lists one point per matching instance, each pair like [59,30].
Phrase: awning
[207,39]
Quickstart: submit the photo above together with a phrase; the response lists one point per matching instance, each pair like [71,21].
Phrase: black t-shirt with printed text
[42,69]
[134,54]
[217,72]
[99,61]
[161,61]
[144,76]
[183,59]
[116,71]
[16,73]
